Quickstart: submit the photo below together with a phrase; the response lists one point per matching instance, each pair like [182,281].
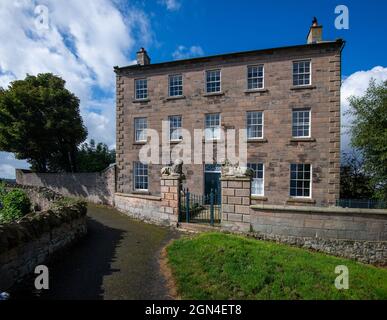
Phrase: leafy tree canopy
[369,133]
[94,157]
[40,122]
[354,181]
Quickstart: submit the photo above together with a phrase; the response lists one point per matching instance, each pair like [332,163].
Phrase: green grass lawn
[224,266]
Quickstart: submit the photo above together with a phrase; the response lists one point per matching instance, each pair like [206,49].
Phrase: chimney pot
[315,32]
[142,57]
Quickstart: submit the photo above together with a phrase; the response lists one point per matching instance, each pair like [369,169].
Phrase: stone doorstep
[197,228]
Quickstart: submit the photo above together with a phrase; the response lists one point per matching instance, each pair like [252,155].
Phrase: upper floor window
[255,77]
[301,73]
[141,88]
[140,176]
[301,123]
[140,126]
[175,85]
[212,131]
[257,183]
[175,128]
[213,81]
[300,180]
[254,124]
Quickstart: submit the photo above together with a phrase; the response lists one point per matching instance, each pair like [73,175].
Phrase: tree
[40,122]
[94,158]
[369,133]
[354,182]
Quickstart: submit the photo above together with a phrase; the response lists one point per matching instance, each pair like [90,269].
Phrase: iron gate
[200,209]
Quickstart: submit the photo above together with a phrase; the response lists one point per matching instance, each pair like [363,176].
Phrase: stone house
[287,99]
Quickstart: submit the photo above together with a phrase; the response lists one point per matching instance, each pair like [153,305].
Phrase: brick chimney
[315,32]
[142,57]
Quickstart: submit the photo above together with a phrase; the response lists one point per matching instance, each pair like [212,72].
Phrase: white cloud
[356,85]
[183,52]
[7,171]
[82,42]
[8,163]
[171,5]
[101,124]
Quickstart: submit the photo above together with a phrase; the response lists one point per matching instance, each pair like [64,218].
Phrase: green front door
[212,181]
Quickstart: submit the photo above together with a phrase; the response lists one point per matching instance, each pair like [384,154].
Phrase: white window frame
[310,181]
[135,163]
[249,165]
[263,77]
[181,126]
[169,85]
[262,124]
[212,127]
[310,72]
[136,129]
[220,81]
[310,121]
[136,90]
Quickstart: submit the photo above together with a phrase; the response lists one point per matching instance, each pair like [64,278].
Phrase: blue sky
[226,26]
[82,41]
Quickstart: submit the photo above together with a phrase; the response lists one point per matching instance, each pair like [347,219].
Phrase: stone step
[197,228]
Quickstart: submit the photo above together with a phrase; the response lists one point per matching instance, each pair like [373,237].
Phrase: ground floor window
[257,184]
[140,176]
[300,180]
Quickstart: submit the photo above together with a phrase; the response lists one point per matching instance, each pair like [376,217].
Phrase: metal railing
[200,209]
[361,203]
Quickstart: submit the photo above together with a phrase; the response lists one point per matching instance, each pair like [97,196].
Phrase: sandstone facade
[277,99]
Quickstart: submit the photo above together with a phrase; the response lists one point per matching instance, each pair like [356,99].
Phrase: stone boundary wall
[163,209]
[141,207]
[41,198]
[35,238]
[96,187]
[326,223]
[359,234]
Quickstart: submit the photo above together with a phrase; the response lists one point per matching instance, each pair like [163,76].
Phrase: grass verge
[224,266]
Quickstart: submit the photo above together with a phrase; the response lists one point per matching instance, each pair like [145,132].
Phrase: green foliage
[15,204]
[67,202]
[94,158]
[223,266]
[354,181]
[3,191]
[369,133]
[40,122]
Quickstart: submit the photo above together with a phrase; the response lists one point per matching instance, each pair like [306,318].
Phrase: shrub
[16,204]
[66,202]
[3,192]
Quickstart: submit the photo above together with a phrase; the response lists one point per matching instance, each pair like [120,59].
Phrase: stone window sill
[213,94]
[140,100]
[257,140]
[248,91]
[139,195]
[302,140]
[260,198]
[175,98]
[300,200]
[140,142]
[309,87]
[141,192]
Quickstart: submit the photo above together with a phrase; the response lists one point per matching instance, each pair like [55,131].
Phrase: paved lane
[118,259]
